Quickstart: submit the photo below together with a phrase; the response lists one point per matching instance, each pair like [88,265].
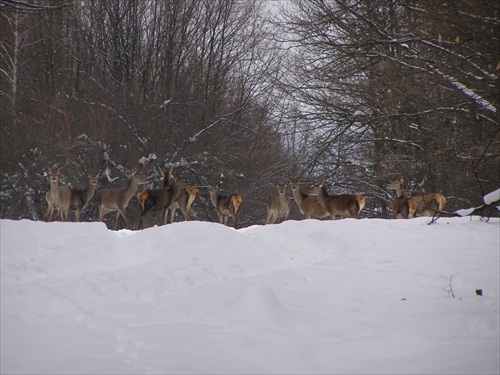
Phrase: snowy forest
[249,93]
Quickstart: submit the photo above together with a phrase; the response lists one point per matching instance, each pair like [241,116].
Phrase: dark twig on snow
[449,288]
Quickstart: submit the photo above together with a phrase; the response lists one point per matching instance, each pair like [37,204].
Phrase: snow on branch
[490,199]
[465,90]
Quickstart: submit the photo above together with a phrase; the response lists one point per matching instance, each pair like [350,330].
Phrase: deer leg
[163,216]
[188,214]
[48,212]
[121,212]
[185,213]
[172,215]
[65,215]
[102,212]
[145,210]
[45,213]
[117,218]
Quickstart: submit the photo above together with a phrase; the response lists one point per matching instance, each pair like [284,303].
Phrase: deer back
[428,204]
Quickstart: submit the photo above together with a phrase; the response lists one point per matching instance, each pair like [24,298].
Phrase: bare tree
[396,87]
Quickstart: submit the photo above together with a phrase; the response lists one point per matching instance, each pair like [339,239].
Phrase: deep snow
[349,296]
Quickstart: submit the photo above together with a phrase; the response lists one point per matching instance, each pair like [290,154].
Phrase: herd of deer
[175,193]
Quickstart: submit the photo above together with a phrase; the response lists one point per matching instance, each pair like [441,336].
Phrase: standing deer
[160,200]
[225,206]
[278,206]
[346,205]
[80,198]
[403,207]
[183,202]
[58,198]
[308,205]
[427,204]
[118,199]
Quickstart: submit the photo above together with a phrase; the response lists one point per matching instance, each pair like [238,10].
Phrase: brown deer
[225,206]
[184,201]
[160,200]
[58,198]
[345,205]
[403,207]
[118,199]
[427,204]
[278,206]
[308,205]
[80,198]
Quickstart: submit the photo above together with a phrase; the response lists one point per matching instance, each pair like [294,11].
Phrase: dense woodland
[248,93]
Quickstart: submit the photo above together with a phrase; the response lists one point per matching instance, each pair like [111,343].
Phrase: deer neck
[166,180]
[322,195]
[283,200]
[214,195]
[298,195]
[176,190]
[54,190]
[399,191]
[129,190]
[90,191]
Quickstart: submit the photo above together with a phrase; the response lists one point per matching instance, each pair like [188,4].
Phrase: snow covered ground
[350,296]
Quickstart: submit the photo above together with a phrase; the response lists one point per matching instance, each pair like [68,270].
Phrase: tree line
[249,93]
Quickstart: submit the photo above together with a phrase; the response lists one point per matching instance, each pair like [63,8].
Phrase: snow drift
[349,296]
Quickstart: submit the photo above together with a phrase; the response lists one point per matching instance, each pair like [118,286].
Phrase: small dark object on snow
[479,292]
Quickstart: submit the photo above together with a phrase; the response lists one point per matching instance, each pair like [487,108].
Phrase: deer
[278,206]
[119,199]
[58,198]
[403,207]
[225,206]
[345,205]
[183,202]
[80,198]
[160,199]
[427,204]
[308,205]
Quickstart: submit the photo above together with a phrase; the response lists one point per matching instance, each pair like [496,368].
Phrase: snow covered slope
[349,296]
